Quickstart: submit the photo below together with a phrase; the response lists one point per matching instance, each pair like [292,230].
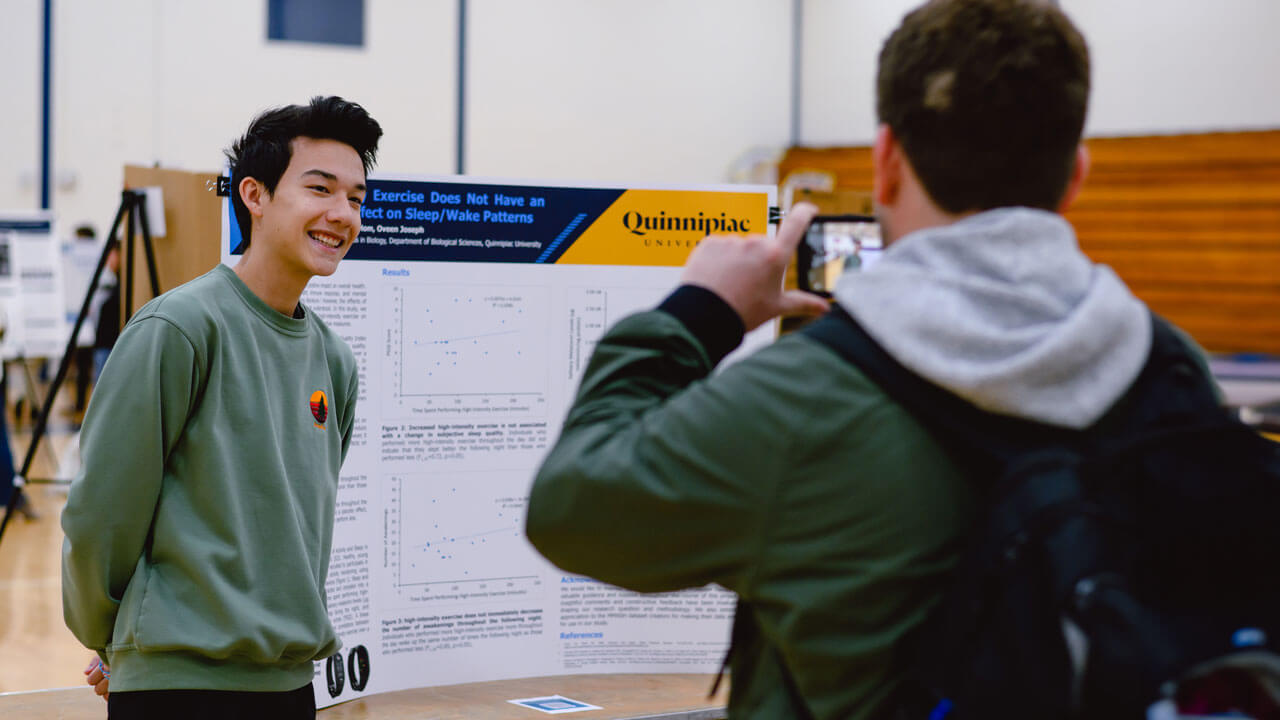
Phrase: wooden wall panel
[193,220]
[1191,222]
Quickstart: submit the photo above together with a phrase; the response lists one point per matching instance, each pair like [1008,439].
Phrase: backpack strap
[746,633]
[1174,389]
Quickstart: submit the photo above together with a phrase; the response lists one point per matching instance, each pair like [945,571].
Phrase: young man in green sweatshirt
[198,532]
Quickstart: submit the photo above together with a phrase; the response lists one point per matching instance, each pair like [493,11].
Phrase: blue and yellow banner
[437,221]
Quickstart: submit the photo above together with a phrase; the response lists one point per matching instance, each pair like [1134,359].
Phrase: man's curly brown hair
[988,99]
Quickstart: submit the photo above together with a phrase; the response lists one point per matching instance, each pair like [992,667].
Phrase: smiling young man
[198,532]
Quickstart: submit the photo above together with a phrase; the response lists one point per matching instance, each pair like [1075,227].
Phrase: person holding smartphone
[790,477]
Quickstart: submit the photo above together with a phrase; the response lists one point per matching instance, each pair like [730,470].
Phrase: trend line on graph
[446,341]
[468,537]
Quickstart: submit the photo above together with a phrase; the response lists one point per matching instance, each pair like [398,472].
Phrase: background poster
[31,292]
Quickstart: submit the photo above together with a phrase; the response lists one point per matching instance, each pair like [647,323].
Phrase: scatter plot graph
[457,529]
[449,342]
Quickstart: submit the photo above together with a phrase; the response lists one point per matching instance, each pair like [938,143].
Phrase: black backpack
[1134,565]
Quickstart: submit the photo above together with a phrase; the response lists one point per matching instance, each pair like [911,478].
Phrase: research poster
[10,301]
[31,295]
[472,307]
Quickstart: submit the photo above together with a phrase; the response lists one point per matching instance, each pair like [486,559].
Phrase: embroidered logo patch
[319,407]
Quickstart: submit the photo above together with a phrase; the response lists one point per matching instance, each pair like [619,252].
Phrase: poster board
[472,307]
[10,308]
[31,292]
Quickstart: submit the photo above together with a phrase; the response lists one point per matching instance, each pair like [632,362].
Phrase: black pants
[84,373]
[297,704]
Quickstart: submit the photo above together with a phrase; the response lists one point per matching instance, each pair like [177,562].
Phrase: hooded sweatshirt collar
[1002,309]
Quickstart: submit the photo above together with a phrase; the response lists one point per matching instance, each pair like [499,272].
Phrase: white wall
[594,90]
[1158,67]
[659,90]
[1181,65]
[841,40]
[663,91]
[219,71]
[175,81]
[20,24]
[104,94]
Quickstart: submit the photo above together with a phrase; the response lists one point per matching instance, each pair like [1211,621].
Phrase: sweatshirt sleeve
[139,408]
[660,474]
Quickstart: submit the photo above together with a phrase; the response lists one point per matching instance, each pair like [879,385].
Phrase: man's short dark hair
[988,100]
[264,152]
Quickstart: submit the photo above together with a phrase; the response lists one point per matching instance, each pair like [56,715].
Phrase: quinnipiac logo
[699,226]
[319,407]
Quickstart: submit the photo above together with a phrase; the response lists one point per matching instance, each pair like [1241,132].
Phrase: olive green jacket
[788,478]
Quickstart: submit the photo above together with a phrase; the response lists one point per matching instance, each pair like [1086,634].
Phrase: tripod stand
[132,213]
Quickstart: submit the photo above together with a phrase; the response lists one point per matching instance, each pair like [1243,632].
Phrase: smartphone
[834,245]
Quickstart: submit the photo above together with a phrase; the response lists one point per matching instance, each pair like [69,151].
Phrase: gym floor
[36,649]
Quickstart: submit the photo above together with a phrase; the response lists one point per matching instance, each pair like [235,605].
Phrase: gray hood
[1002,308]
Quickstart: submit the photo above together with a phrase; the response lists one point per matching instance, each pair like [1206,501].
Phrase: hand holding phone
[833,245]
[746,272]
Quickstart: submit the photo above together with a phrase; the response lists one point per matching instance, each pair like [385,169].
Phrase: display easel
[133,214]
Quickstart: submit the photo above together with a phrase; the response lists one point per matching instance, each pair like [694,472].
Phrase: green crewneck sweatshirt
[198,532]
